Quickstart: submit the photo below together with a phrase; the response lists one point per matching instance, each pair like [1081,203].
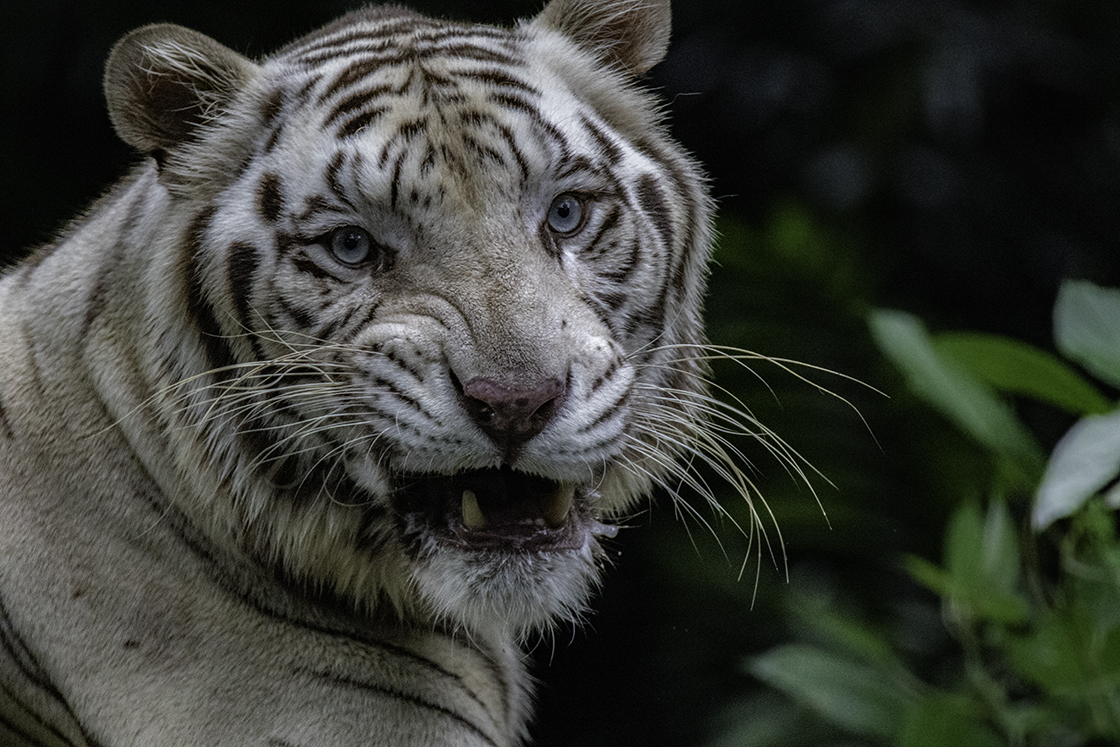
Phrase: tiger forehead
[354,70]
[449,103]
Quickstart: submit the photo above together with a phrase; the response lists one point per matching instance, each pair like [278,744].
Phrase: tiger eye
[565,214]
[350,245]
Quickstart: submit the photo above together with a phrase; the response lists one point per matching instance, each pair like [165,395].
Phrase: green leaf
[969,403]
[927,574]
[862,699]
[1052,654]
[1018,368]
[833,628]
[999,559]
[1087,328]
[982,563]
[941,719]
[1084,461]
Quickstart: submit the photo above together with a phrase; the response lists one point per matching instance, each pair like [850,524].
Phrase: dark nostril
[511,417]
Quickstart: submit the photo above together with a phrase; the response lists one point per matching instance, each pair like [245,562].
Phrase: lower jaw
[501,590]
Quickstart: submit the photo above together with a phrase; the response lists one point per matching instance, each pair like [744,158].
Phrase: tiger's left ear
[164,82]
[632,34]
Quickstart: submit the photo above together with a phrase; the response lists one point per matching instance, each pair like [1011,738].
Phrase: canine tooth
[473,517]
[558,506]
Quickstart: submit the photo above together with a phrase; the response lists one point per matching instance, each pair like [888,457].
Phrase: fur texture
[331,401]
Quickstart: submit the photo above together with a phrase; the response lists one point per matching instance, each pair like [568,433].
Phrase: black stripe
[601,311]
[5,423]
[577,164]
[356,101]
[615,300]
[302,317]
[607,148]
[621,272]
[241,270]
[271,108]
[653,204]
[273,139]
[214,345]
[37,376]
[499,78]
[467,34]
[406,131]
[304,92]
[20,656]
[466,50]
[96,303]
[592,249]
[270,198]
[356,124]
[610,411]
[391,692]
[360,70]
[31,739]
[482,151]
[329,40]
[395,183]
[304,264]
[428,162]
[607,374]
[485,121]
[105,269]
[248,588]
[316,205]
[329,330]
[333,183]
[367,319]
[32,262]
[26,739]
[412,128]
[315,59]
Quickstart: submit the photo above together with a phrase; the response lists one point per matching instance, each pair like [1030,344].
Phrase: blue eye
[565,214]
[350,245]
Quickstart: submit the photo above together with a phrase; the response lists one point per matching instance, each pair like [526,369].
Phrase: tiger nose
[511,417]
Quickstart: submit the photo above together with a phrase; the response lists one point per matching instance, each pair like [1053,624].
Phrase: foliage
[1032,607]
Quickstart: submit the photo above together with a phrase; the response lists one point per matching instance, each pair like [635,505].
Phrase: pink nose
[511,417]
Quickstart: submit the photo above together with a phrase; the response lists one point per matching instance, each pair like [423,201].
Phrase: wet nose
[511,417]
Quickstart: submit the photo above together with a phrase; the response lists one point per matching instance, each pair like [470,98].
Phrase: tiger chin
[335,398]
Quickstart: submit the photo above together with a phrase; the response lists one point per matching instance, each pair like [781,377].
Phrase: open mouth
[500,510]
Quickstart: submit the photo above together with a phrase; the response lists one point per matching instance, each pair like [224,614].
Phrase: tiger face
[447,283]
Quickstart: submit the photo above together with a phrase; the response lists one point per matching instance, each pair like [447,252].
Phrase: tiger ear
[162,82]
[633,34]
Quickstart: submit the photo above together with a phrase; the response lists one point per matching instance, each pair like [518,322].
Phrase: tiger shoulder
[336,398]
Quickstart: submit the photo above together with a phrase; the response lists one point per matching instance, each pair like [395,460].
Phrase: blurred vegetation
[1035,619]
[954,160]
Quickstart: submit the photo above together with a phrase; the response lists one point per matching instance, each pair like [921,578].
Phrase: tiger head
[438,296]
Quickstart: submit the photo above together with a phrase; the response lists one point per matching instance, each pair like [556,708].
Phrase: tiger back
[333,400]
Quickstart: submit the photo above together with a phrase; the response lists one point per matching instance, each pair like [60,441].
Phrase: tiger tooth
[556,512]
[473,518]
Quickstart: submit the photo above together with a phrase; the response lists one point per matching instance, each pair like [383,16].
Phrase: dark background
[951,158]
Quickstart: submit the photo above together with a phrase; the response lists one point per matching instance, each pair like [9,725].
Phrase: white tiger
[315,415]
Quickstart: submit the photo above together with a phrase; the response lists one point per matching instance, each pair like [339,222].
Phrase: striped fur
[314,416]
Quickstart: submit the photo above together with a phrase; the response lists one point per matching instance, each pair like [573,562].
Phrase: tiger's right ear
[163,82]
[632,34]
